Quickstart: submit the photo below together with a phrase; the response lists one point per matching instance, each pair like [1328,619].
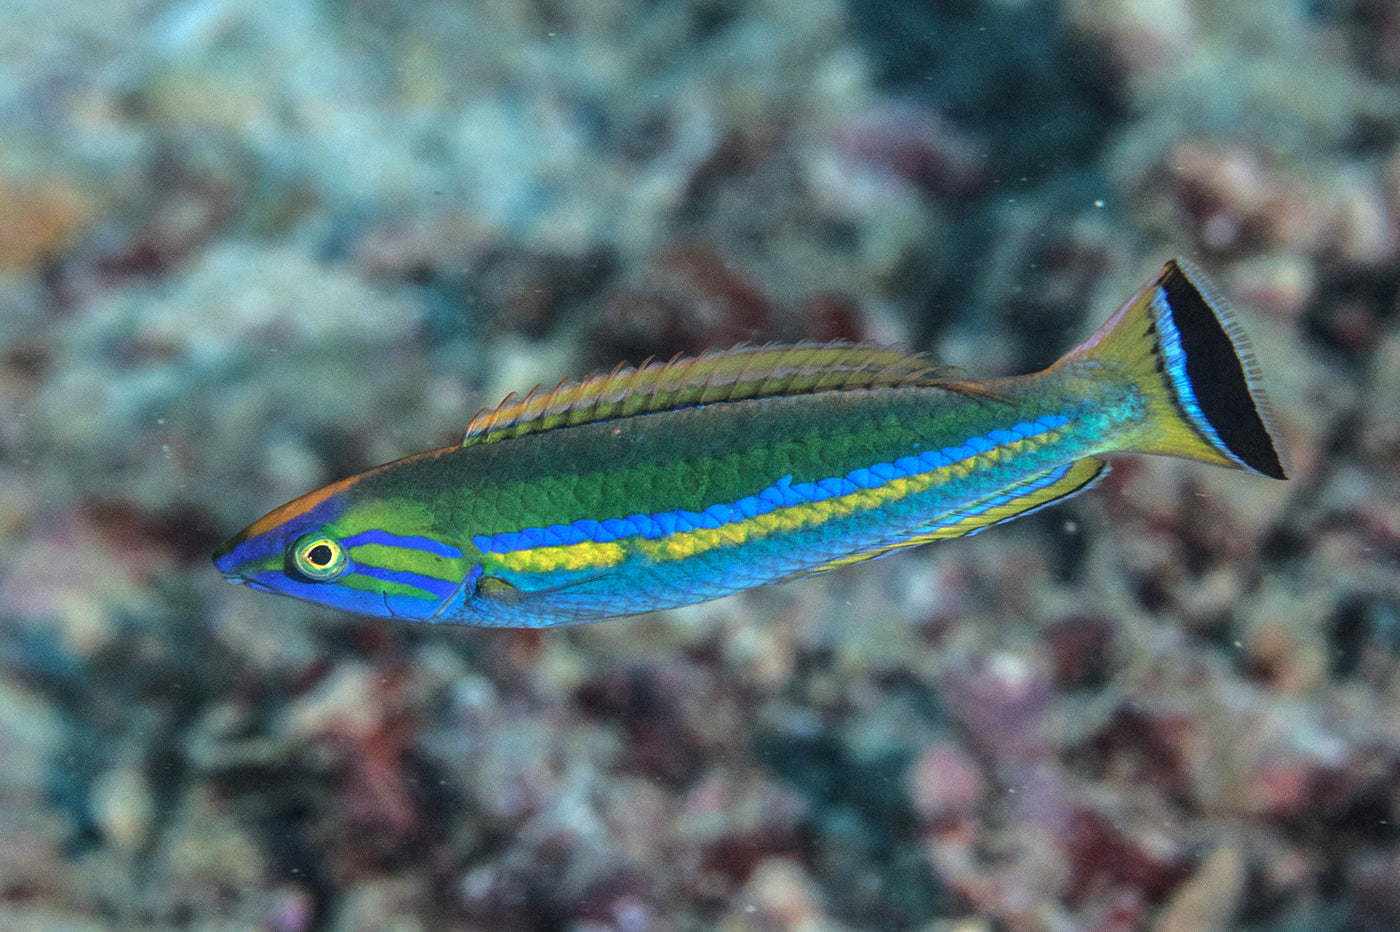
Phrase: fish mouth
[227,564]
[239,579]
[230,573]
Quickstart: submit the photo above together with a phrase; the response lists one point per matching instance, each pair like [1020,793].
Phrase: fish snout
[227,564]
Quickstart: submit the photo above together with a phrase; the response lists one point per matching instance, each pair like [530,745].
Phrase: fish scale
[686,480]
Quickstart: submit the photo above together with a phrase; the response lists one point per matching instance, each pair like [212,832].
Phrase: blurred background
[248,247]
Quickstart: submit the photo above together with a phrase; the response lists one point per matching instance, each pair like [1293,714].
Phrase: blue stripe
[782,494]
[437,588]
[384,538]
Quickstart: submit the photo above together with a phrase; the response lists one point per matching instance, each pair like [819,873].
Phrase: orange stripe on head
[297,507]
[300,506]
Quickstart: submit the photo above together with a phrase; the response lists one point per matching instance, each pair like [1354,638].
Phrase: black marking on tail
[1218,375]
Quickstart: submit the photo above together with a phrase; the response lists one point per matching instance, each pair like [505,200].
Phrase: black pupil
[320,555]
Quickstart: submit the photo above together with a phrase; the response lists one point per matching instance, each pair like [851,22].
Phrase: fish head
[368,556]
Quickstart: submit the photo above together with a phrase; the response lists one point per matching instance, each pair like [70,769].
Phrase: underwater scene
[250,249]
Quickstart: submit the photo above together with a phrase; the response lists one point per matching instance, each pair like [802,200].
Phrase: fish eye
[316,557]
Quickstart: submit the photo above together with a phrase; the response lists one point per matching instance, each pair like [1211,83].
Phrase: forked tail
[1176,341]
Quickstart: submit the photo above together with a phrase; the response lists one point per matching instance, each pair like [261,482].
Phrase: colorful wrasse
[685,481]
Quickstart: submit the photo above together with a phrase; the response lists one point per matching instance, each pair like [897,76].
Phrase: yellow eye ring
[317,557]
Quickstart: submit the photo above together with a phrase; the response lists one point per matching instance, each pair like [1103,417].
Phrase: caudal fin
[1176,341]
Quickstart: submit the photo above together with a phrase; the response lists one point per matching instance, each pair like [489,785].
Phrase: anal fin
[1022,498]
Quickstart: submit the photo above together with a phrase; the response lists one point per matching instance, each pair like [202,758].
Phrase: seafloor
[249,246]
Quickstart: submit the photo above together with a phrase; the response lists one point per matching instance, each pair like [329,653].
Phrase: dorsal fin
[744,372]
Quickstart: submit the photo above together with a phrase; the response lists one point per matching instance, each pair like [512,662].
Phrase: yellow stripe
[589,555]
[585,556]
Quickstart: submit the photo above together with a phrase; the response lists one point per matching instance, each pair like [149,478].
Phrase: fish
[681,481]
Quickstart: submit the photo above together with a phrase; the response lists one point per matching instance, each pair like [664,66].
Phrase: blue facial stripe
[432,588]
[360,601]
[384,538]
[1174,359]
[782,494]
